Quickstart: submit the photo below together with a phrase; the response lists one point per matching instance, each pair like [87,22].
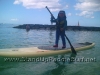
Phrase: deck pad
[77,45]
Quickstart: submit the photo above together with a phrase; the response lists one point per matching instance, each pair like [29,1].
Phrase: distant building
[78,23]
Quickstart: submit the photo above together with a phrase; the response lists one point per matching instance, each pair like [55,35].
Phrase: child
[61,24]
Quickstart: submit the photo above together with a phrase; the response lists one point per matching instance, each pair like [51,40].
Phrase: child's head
[61,14]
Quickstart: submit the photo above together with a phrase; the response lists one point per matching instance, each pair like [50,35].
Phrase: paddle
[72,48]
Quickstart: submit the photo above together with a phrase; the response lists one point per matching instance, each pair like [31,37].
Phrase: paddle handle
[50,12]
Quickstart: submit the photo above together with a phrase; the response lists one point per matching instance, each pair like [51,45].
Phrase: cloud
[87,7]
[86,14]
[14,19]
[69,14]
[92,17]
[54,5]
[17,2]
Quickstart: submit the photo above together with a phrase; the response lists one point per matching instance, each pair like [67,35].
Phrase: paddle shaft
[50,12]
[72,48]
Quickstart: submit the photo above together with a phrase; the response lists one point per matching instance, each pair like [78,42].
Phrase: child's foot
[63,47]
[55,46]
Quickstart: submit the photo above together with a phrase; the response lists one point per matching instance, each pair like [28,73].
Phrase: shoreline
[53,27]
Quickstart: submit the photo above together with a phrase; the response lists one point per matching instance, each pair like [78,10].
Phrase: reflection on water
[72,56]
[59,70]
[60,66]
[27,30]
[51,36]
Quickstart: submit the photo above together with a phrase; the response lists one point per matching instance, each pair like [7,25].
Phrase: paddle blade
[73,50]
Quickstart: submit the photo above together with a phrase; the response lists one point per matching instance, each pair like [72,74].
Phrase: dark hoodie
[61,22]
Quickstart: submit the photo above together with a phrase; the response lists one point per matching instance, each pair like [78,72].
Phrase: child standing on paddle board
[61,24]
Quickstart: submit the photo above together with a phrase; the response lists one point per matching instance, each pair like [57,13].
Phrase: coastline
[53,27]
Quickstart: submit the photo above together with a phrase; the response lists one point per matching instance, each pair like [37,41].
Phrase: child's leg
[63,38]
[57,37]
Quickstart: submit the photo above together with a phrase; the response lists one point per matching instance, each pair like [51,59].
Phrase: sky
[87,12]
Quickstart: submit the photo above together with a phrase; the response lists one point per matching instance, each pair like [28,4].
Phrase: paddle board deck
[42,51]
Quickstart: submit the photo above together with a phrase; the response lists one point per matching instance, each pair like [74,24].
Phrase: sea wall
[53,27]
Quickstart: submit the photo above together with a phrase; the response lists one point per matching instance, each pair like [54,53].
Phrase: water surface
[19,38]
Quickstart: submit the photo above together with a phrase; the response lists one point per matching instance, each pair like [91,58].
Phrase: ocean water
[20,38]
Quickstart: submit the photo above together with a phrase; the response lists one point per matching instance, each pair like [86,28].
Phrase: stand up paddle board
[43,51]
